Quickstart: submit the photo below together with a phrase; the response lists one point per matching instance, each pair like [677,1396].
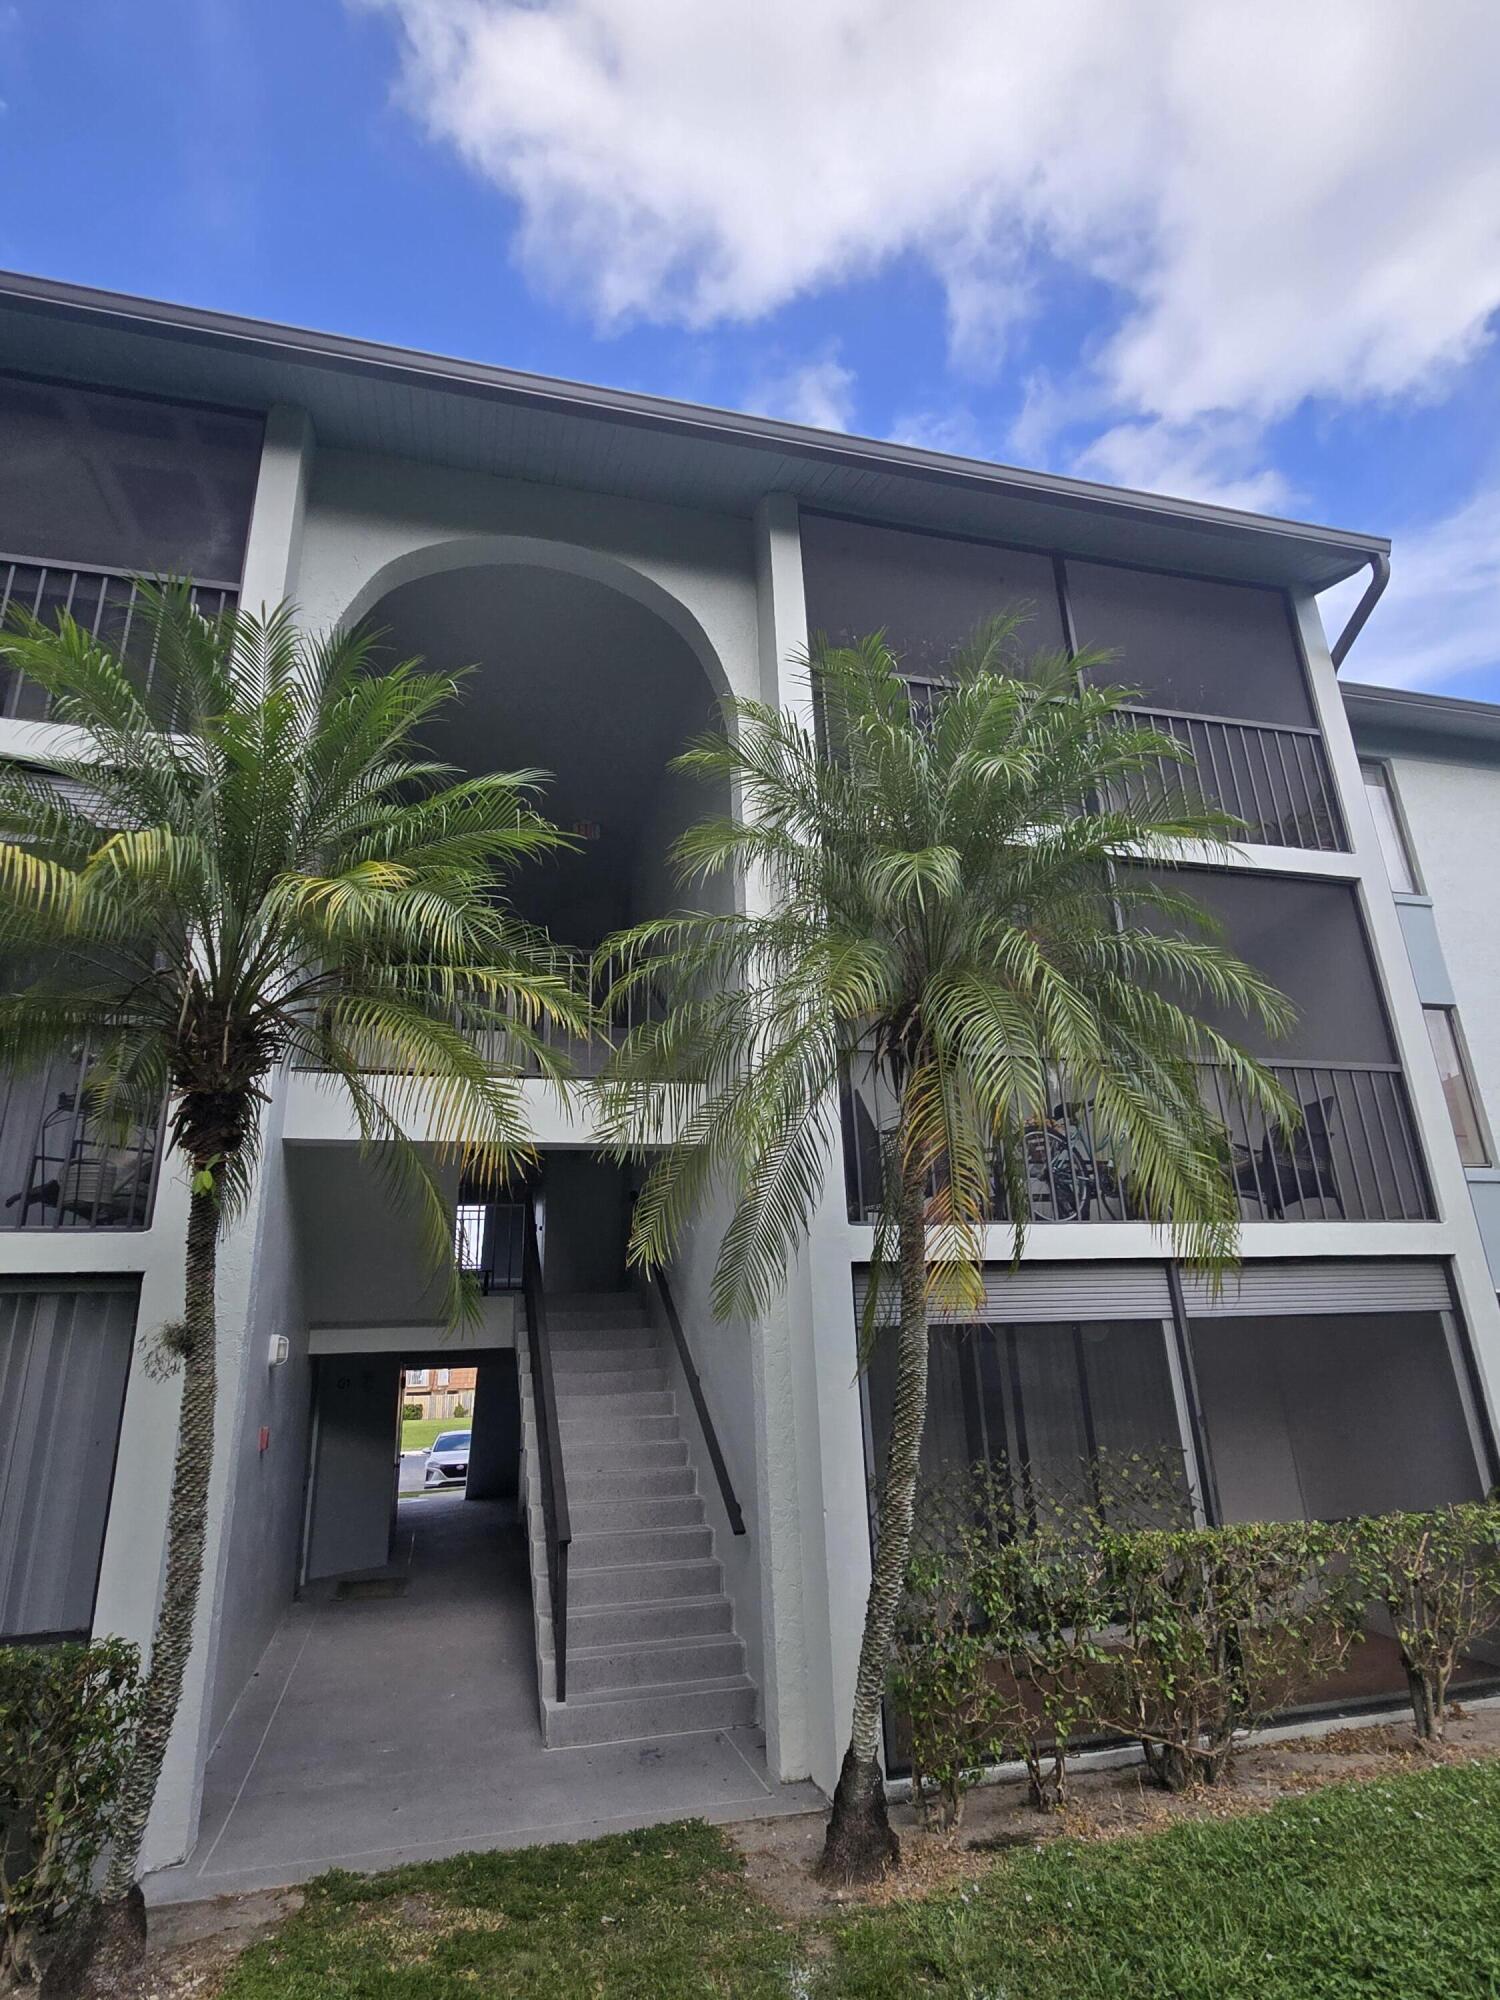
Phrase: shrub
[1041,1603]
[941,1680]
[1212,1631]
[1438,1577]
[460,1408]
[410,1412]
[67,1725]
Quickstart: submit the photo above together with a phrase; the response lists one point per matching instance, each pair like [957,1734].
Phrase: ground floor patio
[394,1718]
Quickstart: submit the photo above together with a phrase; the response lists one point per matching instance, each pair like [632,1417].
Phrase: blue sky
[1241,254]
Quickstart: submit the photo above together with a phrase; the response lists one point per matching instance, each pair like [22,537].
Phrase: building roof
[1441,721]
[363,395]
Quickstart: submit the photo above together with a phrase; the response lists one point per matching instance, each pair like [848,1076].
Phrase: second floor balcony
[105,602]
[1351,1156]
[64,1162]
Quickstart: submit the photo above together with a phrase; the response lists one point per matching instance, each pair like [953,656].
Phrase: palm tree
[963,903]
[281,873]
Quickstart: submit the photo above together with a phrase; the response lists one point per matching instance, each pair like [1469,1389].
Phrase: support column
[815,1459]
[256,1271]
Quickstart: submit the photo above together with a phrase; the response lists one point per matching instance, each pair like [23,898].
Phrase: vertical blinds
[64,1358]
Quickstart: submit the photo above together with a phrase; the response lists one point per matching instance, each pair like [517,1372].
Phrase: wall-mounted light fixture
[281,1350]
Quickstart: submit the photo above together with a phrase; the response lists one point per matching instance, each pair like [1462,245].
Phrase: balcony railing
[106,602]
[65,1166]
[585,1054]
[1352,1157]
[1273,776]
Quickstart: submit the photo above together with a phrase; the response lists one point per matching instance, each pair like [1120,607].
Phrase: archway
[580,667]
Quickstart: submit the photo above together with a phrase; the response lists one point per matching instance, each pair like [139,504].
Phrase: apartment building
[439,1391]
[1431,767]
[614,565]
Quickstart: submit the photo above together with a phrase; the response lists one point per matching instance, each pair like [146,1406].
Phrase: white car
[448,1459]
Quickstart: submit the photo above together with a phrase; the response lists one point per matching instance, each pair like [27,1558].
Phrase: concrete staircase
[652,1649]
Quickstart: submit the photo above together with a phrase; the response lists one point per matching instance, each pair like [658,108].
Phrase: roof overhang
[1388,716]
[362,395]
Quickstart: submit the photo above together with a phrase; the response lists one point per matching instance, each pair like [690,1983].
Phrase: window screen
[926,593]
[90,478]
[1059,1406]
[1196,647]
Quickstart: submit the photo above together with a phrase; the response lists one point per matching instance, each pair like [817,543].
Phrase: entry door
[64,1360]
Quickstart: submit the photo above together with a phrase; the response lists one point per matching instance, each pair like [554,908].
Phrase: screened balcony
[1351,1155]
[98,488]
[64,1165]
[105,602]
[1217,665]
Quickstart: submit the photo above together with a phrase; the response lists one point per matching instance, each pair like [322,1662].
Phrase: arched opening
[575,677]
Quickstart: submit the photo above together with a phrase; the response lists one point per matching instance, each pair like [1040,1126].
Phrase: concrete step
[643,1712]
[568,1312]
[641,1583]
[608,1425]
[589,1402]
[635,1546]
[586,1454]
[621,1669]
[650,1510]
[623,1360]
[621,1624]
[629,1483]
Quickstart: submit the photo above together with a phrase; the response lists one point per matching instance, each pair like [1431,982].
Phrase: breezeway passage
[394,1727]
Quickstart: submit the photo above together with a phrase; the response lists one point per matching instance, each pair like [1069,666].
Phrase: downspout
[1380,576]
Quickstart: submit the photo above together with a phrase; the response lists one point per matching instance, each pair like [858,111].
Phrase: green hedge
[68,1716]
[1025,1630]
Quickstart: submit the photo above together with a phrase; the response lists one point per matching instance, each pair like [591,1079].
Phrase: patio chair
[1296,1167]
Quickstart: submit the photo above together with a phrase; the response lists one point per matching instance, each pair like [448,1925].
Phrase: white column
[809,1345]
[268,575]
[274,545]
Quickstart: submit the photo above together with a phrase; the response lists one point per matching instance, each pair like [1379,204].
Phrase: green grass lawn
[420,1433]
[1386,1889]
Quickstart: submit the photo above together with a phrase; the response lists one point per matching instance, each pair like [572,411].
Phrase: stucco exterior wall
[1452,811]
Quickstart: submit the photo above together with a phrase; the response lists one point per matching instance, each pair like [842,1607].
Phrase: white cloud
[1288,199]
[819,392]
[1217,460]
[1439,619]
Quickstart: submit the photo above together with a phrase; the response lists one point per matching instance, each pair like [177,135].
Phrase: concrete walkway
[399,1728]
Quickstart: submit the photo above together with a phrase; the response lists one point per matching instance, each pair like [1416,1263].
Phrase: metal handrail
[556,1520]
[700,1404]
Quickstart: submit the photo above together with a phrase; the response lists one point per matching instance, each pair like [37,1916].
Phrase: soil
[190,1946]
[1102,1805]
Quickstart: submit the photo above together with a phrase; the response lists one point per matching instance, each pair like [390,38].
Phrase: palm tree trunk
[860,1844]
[122,1934]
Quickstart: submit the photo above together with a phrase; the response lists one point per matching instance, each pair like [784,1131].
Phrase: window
[468,1235]
[1458,1089]
[442,1378]
[1388,828]
[416,1378]
[64,1359]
